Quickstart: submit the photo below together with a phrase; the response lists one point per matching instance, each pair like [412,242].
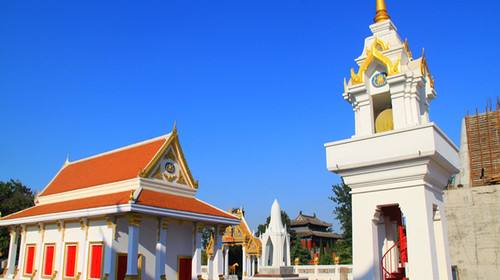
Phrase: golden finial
[381,11]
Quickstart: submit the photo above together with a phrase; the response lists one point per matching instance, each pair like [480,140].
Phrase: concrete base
[132,277]
[232,277]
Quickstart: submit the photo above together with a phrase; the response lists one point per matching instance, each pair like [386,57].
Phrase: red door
[184,269]
[121,270]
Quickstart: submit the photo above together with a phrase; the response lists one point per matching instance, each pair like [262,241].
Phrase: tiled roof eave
[116,209]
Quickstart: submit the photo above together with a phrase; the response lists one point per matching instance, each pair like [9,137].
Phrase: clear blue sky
[255,86]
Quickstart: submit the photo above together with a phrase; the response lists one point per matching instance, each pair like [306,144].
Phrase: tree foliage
[14,197]
[343,212]
[298,251]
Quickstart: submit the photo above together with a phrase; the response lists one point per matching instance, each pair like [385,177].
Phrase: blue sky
[255,86]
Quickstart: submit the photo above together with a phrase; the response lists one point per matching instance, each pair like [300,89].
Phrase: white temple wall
[73,233]
[180,243]
[148,237]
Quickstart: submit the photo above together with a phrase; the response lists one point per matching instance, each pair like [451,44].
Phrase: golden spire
[381,12]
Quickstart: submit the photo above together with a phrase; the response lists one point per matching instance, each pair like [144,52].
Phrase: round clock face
[170,167]
[379,80]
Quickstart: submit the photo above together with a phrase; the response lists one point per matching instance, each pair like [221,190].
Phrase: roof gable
[113,166]
[170,165]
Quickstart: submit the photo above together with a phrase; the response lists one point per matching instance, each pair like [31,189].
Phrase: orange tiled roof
[118,165]
[71,205]
[147,198]
[180,203]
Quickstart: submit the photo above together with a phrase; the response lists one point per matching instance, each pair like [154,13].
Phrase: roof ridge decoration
[375,52]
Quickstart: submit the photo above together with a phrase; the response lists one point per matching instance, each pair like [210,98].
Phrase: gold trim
[406,46]
[424,69]
[65,260]
[134,219]
[89,256]
[43,275]
[375,53]
[381,13]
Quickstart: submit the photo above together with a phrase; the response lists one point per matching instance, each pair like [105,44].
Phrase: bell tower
[397,163]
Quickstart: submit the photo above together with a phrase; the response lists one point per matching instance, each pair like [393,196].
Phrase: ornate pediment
[170,165]
[375,53]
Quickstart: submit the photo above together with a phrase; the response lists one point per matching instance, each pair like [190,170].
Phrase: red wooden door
[121,270]
[184,269]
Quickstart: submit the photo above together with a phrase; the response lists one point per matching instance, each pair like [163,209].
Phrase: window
[29,259]
[95,260]
[48,259]
[70,252]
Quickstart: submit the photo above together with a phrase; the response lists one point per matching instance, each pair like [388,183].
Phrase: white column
[11,262]
[83,249]
[59,260]
[133,246]
[244,262]
[161,250]
[219,254]
[39,251]
[196,261]
[226,261]
[210,266]
[20,265]
[422,260]
[109,250]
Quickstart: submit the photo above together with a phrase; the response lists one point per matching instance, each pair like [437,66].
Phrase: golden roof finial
[381,11]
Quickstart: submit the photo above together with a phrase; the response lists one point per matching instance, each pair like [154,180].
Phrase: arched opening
[269,253]
[381,101]
[391,235]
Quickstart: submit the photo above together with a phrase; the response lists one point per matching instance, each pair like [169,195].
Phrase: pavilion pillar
[219,254]
[226,261]
[210,266]
[196,260]
[134,222]
[161,250]
[11,262]
[244,262]
[20,263]
[83,250]
[109,250]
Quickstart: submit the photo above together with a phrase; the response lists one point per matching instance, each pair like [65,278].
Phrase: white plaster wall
[180,243]
[74,234]
[421,242]
[148,236]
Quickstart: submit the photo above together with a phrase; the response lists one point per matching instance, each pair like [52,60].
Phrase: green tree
[343,212]
[14,197]
[298,251]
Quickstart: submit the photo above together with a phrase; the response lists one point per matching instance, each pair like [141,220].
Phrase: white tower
[396,164]
[275,241]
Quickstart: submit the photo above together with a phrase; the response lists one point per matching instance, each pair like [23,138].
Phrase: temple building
[397,163]
[129,213]
[314,234]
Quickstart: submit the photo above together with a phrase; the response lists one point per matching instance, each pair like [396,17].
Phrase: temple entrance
[121,266]
[184,269]
[236,261]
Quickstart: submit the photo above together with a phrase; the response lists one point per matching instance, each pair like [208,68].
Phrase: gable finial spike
[67,159]
[381,13]
[174,129]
